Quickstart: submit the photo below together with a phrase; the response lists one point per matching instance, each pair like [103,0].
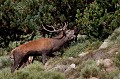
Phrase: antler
[54,30]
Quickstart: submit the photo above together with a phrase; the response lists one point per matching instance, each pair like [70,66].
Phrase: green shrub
[3,52]
[5,73]
[113,74]
[32,71]
[81,47]
[5,61]
[90,70]
[115,37]
[76,49]
[14,44]
[96,22]
[36,71]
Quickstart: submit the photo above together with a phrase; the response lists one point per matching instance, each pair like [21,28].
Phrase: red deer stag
[40,47]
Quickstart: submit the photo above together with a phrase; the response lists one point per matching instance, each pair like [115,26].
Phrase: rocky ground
[100,63]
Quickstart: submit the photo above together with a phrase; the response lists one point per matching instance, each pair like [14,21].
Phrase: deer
[76,31]
[40,47]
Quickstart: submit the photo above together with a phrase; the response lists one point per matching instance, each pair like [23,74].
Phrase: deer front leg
[17,60]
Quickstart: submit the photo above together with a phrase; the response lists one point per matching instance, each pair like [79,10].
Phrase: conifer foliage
[95,18]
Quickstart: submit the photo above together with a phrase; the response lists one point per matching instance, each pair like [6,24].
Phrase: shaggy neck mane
[60,36]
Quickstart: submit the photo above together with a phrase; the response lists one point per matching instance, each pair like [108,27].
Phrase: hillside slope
[100,63]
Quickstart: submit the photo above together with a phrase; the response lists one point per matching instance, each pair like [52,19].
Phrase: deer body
[43,44]
[40,47]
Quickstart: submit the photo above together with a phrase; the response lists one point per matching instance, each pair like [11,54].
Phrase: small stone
[112,68]
[72,65]
[116,53]
[71,58]
[99,62]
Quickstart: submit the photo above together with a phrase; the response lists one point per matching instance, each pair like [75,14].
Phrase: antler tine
[51,26]
[54,30]
[61,26]
[65,26]
[55,24]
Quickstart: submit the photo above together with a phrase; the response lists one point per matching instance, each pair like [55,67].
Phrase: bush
[5,61]
[115,37]
[113,74]
[5,73]
[80,47]
[89,69]
[32,71]
[96,22]
[3,52]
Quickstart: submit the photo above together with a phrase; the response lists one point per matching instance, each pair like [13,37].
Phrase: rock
[72,65]
[112,68]
[99,62]
[119,76]
[70,68]
[93,78]
[83,54]
[116,53]
[81,36]
[112,51]
[71,58]
[107,63]
[71,73]
[104,45]
[61,68]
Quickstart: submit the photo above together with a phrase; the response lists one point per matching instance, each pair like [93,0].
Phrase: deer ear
[72,31]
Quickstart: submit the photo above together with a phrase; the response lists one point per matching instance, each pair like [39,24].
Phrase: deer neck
[60,42]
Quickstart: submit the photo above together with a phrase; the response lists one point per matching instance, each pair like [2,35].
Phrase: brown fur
[43,46]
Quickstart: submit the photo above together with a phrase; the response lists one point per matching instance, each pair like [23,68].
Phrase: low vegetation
[33,71]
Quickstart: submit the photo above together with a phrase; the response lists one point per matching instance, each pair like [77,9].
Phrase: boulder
[104,45]
[107,63]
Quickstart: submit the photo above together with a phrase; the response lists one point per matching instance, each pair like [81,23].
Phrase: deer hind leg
[44,58]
